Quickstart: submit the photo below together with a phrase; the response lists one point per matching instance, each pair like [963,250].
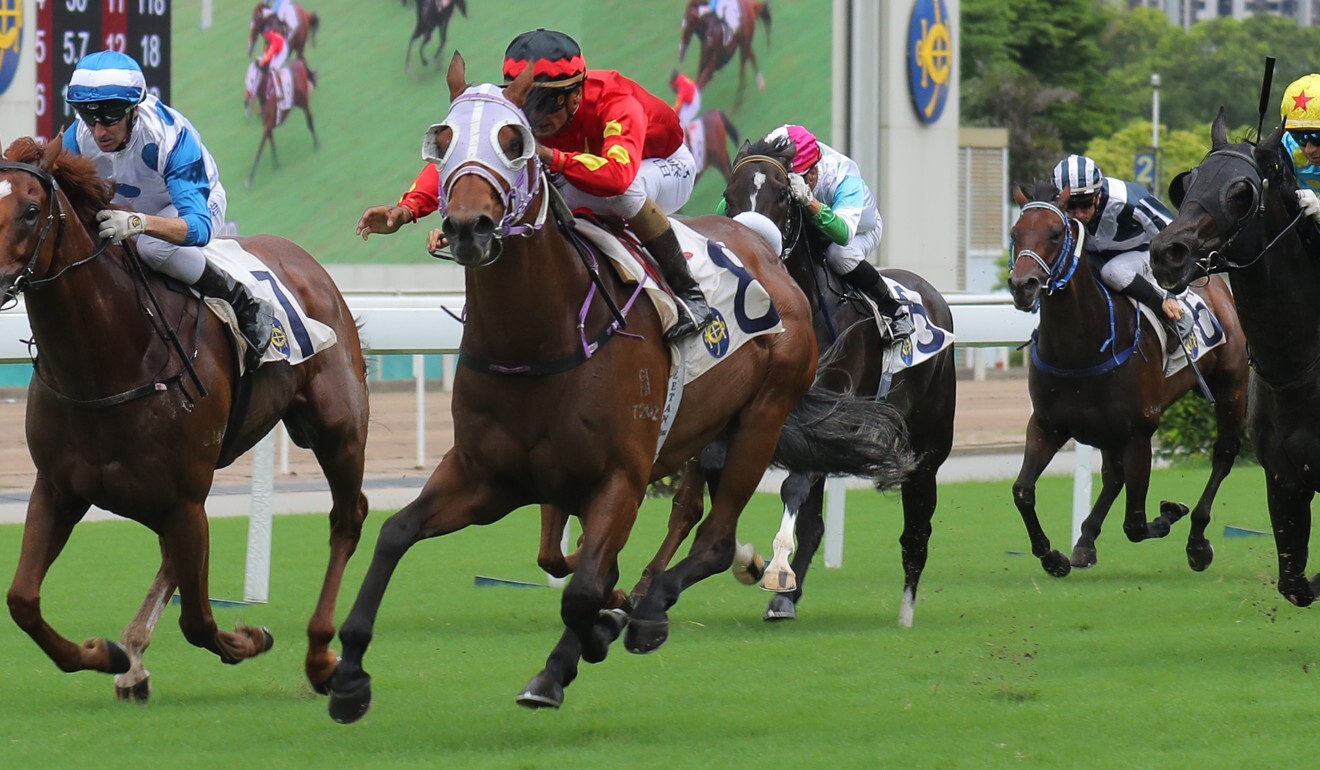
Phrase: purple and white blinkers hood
[475,118]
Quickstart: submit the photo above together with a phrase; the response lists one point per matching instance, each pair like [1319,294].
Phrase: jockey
[1300,111]
[1120,218]
[273,59]
[284,10]
[688,101]
[610,147]
[829,187]
[729,14]
[164,174]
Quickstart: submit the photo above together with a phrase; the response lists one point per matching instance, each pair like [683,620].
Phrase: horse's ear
[1064,196]
[516,91]
[1178,188]
[457,76]
[1219,130]
[1019,197]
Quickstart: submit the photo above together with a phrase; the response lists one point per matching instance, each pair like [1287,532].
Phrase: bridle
[793,226]
[25,280]
[1061,272]
[1233,254]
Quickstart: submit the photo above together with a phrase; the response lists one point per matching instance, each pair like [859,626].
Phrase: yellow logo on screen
[11,23]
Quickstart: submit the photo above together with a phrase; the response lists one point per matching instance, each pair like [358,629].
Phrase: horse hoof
[118,662]
[1200,555]
[781,608]
[646,636]
[606,629]
[1055,564]
[1082,558]
[542,692]
[269,640]
[138,692]
[350,706]
[779,581]
[1172,512]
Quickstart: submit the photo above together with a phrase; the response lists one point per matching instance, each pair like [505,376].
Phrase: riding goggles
[1306,137]
[103,114]
[547,101]
[1082,202]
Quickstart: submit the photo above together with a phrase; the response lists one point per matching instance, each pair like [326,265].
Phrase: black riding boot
[866,278]
[255,318]
[1153,297]
[693,312]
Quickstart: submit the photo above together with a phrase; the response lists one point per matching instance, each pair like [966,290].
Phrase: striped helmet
[107,76]
[1301,103]
[1080,174]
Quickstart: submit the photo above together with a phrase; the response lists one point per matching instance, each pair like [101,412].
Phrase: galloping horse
[432,15]
[556,403]
[1097,375]
[304,80]
[923,395]
[135,401]
[717,131]
[716,51]
[1237,212]
[308,23]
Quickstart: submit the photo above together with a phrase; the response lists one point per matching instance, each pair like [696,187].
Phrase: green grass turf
[371,114]
[1136,663]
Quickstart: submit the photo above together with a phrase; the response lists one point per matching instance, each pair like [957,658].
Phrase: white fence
[420,323]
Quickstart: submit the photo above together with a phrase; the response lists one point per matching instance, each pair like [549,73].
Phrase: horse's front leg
[1290,518]
[1111,483]
[550,556]
[684,513]
[1228,442]
[1041,448]
[135,685]
[51,517]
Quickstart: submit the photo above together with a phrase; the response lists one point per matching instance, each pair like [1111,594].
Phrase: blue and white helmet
[107,76]
[1080,174]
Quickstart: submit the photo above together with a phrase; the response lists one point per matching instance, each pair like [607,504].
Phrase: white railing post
[836,494]
[1081,488]
[419,373]
[256,584]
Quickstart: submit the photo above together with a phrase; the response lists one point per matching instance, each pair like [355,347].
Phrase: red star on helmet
[1300,101]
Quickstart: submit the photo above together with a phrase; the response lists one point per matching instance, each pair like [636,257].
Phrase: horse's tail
[311,76]
[763,10]
[729,129]
[313,24]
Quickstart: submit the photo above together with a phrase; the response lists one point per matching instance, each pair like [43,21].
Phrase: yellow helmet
[1301,103]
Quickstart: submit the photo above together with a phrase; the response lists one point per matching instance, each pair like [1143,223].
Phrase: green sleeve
[721,207]
[831,225]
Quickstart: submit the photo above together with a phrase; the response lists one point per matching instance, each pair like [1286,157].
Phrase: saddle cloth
[927,339]
[297,336]
[1206,334]
[741,305]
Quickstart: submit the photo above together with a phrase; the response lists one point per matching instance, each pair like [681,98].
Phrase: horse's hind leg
[1111,483]
[920,496]
[1228,442]
[688,506]
[1136,473]
[1041,448]
[50,520]
[807,503]
[135,685]
[311,126]
[550,556]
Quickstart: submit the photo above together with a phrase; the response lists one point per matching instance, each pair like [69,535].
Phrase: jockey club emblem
[11,40]
[279,339]
[716,335]
[929,58]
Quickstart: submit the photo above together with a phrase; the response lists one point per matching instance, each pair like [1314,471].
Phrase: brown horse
[308,24]
[304,80]
[716,50]
[1237,212]
[135,401]
[1097,375]
[564,412]
[717,133]
[432,15]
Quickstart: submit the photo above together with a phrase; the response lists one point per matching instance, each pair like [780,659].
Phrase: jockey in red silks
[687,101]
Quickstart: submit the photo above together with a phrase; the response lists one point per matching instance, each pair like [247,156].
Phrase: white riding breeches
[666,181]
[843,258]
[1119,271]
[184,263]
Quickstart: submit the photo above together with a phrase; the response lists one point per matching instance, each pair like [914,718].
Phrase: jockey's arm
[186,179]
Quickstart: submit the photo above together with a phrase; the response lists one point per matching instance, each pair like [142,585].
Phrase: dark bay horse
[308,24]
[1237,213]
[304,80]
[924,395]
[1097,375]
[116,417]
[717,133]
[432,16]
[715,50]
[555,403]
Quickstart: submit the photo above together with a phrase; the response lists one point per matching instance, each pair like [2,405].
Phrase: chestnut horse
[717,133]
[308,23]
[924,395]
[430,18]
[556,403]
[135,401]
[1097,375]
[304,80]
[717,51]
[1238,212]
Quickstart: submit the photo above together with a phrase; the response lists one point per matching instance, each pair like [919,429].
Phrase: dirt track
[990,414]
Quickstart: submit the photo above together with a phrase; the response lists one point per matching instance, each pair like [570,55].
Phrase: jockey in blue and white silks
[164,175]
[1120,218]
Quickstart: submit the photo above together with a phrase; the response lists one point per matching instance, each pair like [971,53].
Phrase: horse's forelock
[779,147]
[76,175]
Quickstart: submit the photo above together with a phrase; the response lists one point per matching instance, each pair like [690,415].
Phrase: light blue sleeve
[185,178]
[848,202]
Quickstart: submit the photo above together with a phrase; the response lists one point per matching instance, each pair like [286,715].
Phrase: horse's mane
[76,175]
[780,147]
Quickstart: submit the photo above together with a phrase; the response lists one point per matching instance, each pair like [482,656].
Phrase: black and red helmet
[555,58]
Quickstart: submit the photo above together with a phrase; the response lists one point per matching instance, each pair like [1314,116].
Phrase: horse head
[489,173]
[1221,207]
[41,186]
[1045,246]
[759,183]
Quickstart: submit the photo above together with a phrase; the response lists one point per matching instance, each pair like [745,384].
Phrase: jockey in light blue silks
[164,176]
